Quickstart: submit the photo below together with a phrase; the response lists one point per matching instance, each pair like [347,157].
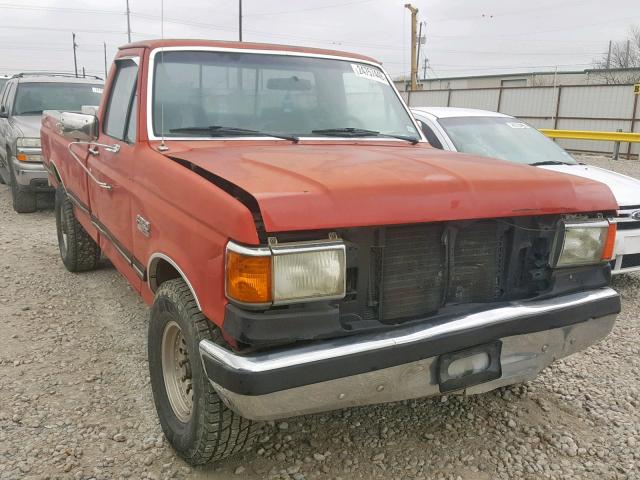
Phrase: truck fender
[161,268]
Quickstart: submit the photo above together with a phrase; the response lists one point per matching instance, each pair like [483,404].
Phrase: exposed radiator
[420,268]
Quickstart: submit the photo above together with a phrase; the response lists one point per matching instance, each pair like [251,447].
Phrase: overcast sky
[463,37]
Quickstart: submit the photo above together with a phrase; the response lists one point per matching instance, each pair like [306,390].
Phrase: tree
[625,54]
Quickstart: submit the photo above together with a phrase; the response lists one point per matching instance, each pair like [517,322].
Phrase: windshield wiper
[549,162]
[222,131]
[361,132]
[30,112]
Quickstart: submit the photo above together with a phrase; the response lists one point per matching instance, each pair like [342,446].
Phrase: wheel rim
[176,371]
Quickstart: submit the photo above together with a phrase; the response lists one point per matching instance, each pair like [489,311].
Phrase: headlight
[585,243]
[286,273]
[28,150]
[28,142]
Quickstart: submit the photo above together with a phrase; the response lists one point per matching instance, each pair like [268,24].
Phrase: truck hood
[330,185]
[29,125]
[625,189]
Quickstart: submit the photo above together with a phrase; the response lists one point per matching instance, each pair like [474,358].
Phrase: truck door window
[120,107]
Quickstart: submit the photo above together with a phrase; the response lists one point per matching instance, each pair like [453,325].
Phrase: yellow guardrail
[590,135]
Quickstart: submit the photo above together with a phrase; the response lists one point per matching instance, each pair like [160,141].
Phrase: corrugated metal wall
[579,107]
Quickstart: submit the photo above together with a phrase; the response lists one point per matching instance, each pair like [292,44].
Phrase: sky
[463,37]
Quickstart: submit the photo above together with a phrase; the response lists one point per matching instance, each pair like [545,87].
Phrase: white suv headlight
[585,243]
[28,142]
[286,273]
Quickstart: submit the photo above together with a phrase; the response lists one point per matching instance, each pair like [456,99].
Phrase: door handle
[100,184]
[115,148]
[93,148]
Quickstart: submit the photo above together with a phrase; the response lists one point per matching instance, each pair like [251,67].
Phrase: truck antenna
[162,147]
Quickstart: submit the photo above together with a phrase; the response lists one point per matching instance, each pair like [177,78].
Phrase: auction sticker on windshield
[370,73]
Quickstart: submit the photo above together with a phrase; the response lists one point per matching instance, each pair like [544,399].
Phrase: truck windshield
[34,98]
[504,138]
[207,94]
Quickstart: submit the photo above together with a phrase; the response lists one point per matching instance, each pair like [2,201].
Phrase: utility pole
[84,75]
[105,59]
[414,65]
[128,23]
[419,44]
[609,56]
[424,69]
[75,60]
[240,20]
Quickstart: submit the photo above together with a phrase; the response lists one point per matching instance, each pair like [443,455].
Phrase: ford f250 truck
[304,249]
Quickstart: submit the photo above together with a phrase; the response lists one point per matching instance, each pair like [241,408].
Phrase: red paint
[311,185]
[383,183]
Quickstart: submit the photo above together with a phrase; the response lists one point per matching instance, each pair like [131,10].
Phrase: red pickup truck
[305,249]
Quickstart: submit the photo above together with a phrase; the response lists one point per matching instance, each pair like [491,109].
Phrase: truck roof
[157,43]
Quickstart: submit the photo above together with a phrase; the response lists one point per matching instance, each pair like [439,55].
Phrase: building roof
[522,74]
[157,43]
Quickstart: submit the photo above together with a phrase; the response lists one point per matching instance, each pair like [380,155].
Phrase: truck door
[111,161]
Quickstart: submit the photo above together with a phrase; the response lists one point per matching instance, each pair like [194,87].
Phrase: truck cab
[304,249]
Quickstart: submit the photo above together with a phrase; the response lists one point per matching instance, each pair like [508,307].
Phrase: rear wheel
[194,419]
[78,250]
[23,202]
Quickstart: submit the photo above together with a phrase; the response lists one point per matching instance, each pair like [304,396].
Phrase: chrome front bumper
[30,175]
[402,363]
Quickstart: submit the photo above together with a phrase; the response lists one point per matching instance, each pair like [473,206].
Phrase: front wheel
[194,419]
[23,201]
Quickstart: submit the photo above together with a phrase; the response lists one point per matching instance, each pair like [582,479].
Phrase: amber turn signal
[248,278]
[22,157]
[609,246]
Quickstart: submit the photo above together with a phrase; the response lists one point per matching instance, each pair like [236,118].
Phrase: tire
[202,430]
[79,252]
[23,202]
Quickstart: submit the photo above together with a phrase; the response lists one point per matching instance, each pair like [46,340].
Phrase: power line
[562,29]
[479,16]
[59,9]
[510,67]
[288,12]
[53,29]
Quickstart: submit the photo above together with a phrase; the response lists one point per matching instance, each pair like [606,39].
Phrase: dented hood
[330,185]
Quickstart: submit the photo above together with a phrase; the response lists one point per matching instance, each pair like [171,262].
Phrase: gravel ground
[75,400]
[626,167]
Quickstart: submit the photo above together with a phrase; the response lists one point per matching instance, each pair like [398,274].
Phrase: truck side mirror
[3,113]
[79,126]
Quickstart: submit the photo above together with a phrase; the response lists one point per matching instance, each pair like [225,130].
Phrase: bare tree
[625,54]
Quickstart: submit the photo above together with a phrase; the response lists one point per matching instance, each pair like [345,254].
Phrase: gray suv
[24,98]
